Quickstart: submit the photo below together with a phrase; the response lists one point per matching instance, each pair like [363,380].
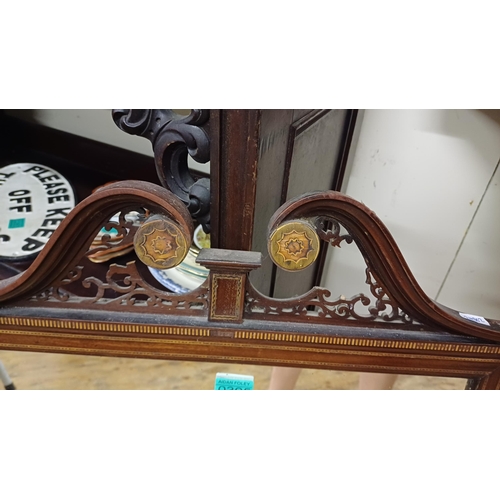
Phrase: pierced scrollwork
[123,287]
[314,305]
[132,290]
[173,137]
[384,302]
[57,291]
[329,229]
[116,236]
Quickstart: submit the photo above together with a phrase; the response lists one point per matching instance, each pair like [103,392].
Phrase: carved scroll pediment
[396,294]
[395,297]
[58,262]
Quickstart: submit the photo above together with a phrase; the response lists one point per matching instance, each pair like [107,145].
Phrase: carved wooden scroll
[57,262]
[398,296]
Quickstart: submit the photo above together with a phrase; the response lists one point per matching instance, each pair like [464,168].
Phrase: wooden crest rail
[64,303]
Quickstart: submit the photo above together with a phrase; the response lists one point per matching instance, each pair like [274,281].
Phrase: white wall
[428,174]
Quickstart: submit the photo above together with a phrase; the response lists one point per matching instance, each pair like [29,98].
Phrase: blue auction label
[233,382]
[34,200]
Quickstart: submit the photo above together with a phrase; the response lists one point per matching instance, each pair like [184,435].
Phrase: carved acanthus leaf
[173,136]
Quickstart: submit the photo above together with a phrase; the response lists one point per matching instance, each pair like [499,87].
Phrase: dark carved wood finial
[173,137]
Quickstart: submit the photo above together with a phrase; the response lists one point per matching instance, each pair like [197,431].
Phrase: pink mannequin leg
[284,378]
[376,381]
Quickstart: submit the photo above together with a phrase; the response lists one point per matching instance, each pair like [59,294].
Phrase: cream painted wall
[425,173]
[473,281]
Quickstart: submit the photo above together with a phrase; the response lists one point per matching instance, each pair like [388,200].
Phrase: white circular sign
[34,199]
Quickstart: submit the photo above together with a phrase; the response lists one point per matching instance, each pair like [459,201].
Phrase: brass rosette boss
[294,245]
[160,243]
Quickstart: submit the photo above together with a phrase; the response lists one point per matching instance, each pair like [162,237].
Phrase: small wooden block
[228,275]
[235,260]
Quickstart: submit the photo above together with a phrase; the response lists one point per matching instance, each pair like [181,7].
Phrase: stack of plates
[188,275]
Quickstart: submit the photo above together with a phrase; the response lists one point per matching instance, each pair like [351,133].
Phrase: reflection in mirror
[188,275]
[30,370]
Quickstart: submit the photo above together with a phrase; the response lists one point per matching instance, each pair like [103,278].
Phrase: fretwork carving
[329,229]
[123,287]
[316,305]
[132,290]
